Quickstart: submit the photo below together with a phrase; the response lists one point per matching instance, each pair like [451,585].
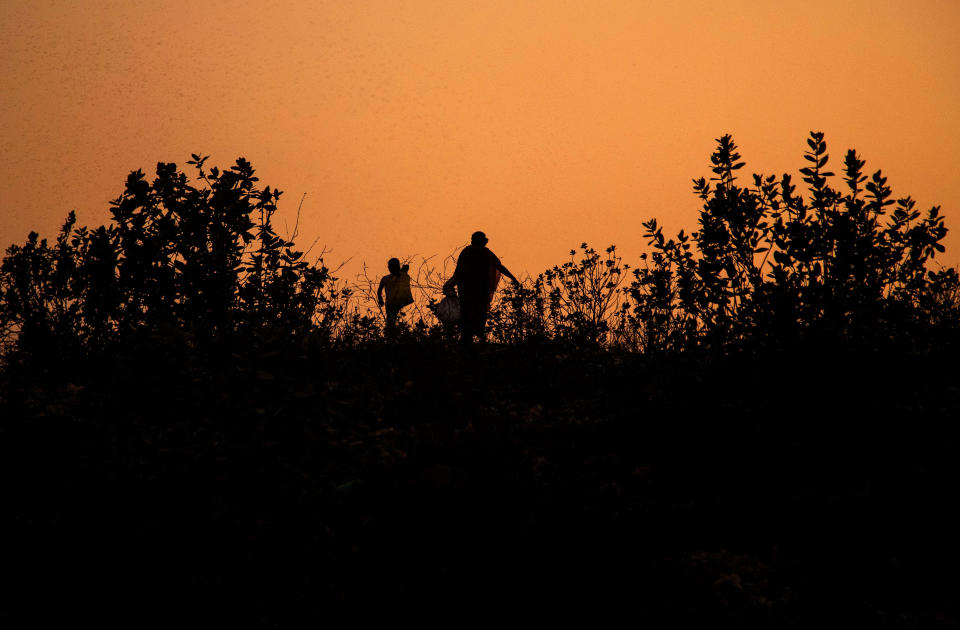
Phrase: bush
[771,267]
[198,259]
[767,268]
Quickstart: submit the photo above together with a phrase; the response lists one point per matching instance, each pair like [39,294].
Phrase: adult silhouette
[476,278]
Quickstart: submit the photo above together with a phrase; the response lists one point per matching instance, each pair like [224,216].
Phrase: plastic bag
[448,310]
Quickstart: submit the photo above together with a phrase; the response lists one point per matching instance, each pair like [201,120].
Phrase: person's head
[478,238]
[394,265]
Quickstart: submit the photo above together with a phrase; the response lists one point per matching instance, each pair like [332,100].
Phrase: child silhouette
[397,287]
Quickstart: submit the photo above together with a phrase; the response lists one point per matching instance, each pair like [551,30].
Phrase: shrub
[768,264]
[198,258]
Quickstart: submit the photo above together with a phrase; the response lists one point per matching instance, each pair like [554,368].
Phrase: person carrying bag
[396,285]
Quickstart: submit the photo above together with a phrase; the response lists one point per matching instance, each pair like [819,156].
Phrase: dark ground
[422,480]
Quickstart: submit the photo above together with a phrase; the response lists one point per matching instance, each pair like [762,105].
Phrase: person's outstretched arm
[453,281]
[506,272]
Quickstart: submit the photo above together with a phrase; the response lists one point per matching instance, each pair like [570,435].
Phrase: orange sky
[410,124]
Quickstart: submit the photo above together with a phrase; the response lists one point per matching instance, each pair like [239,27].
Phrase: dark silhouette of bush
[200,261]
[767,267]
[774,266]
[575,303]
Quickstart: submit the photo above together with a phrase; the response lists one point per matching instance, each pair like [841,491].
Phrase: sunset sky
[408,125]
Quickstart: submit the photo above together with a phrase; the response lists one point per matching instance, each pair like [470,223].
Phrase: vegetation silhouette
[756,425]
[767,267]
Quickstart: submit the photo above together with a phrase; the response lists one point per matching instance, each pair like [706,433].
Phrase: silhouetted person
[476,277]
[397,287]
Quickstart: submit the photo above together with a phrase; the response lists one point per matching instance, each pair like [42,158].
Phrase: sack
[448,310]
[398,291]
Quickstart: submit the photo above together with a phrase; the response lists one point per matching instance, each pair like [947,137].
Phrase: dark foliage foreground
[755,426]
[412,479]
